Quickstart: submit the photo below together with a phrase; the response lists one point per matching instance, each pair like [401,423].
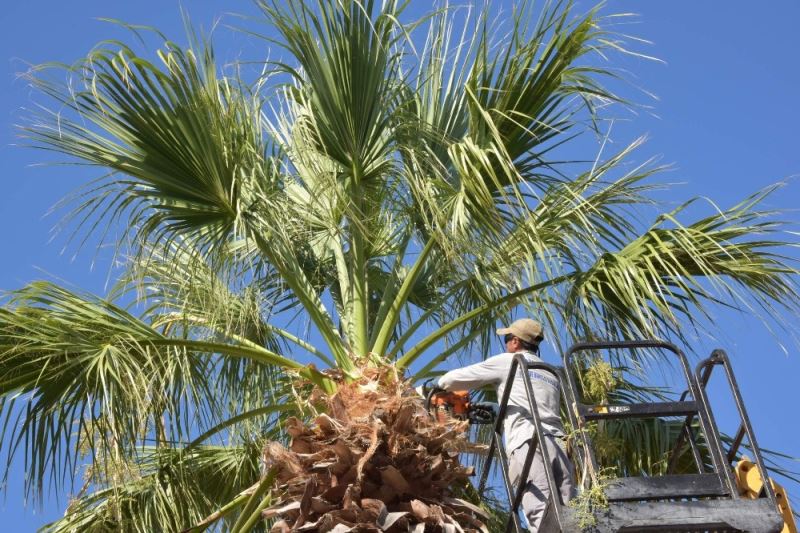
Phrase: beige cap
[527,329]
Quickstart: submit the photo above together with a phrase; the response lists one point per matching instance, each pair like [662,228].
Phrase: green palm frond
[94,379]
[167,490]
[348,68]
[669,274]
[89,369]
[183,139]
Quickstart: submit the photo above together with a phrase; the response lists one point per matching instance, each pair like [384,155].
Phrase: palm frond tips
[348,69]
[183,139]
[93,380]
[88,370]
[668,275]
[158,478]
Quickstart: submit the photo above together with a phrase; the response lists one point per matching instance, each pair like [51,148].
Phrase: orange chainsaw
[444,405]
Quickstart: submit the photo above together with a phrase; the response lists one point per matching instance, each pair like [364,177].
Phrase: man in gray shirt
[524,336]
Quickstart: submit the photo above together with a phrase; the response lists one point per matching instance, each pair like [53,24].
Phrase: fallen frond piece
[376,462]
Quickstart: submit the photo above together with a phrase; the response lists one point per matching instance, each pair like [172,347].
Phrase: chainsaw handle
[483,413]
[432,391]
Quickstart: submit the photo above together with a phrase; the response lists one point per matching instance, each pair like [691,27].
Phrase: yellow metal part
[748,479]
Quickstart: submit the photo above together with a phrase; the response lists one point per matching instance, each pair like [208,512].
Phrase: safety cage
[717,498]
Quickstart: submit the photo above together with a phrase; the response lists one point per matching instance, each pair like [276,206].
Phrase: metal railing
[720,358]
[706,419]
[578,413]
[520,363]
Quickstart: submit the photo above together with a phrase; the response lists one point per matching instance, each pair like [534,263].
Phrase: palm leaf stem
[359,280]
[222,512]
[269,409]
[433,363]
[247,342]
[343,276]
[254,502]
[424,317]
[428,341]
[390,292]
[304,292]
[393,315]
[254,353]
[300,342]
[255,515]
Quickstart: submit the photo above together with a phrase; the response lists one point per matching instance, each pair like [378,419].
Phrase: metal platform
[706,516]
[705,501]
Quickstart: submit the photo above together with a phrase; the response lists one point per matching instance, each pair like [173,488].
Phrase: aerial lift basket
[710,500]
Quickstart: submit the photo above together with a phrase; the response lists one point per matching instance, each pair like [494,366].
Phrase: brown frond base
[374,462]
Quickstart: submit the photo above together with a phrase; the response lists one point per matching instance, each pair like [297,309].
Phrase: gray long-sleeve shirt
[518,425]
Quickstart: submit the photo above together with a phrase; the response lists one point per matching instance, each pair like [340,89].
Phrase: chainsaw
[444,405]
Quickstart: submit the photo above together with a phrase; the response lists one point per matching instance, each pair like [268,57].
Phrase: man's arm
[489,372]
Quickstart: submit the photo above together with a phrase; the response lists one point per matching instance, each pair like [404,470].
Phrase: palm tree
[315,241]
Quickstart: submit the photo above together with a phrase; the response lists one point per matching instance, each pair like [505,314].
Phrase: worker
[524,336]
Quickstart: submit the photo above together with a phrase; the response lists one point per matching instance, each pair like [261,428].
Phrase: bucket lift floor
[717,516]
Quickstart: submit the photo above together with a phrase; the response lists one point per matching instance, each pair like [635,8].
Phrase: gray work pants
[537,491]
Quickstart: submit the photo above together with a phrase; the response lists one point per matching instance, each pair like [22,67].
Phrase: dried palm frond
[376,461]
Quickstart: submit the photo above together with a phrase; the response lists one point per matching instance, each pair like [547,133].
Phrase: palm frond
[671,273]
[183,139]
[94,379]
[167,490]
[89,378]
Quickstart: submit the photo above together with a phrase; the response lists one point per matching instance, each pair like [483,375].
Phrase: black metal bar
[707,423]
[537,426]
[513,517]
[625,345]
[590,459]
[523,479]
[569,401]
[719,357]
[711,434]
[692,439]
[698,459]
[702,382]
[737,441]
[687,432]
[489,457]
[638,410]
[497,442]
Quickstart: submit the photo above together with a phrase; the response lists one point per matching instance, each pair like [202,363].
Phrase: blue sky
[726,117]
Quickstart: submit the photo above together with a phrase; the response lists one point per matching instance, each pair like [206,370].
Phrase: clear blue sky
[727,116]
